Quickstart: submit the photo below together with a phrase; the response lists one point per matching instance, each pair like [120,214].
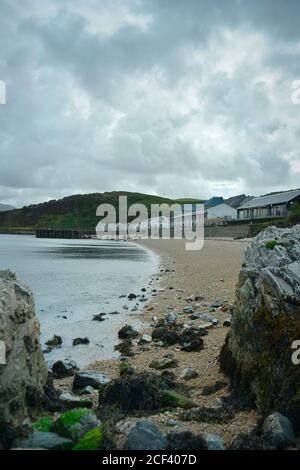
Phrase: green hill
[75,212]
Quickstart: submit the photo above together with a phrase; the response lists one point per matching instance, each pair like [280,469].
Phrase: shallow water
[78,279]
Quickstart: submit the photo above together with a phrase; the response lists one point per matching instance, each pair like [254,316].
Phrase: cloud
[175,98]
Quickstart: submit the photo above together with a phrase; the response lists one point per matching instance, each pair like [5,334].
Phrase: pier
[64,233]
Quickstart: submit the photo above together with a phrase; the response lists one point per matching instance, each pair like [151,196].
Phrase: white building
[221,211]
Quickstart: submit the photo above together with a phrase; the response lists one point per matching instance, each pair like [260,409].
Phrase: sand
[213,273]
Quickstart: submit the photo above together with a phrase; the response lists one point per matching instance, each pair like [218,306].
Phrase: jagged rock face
[23,376]
[257,355]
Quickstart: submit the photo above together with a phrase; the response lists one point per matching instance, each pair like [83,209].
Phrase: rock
[170,318]
[265,321]
[145,436]
[68,401]
[185,440]
[173,423]
[168,375]
[127,332]
[227,322]
[89,378]
[205,325]
[99,317]
[214,442]
[191,339]
[199,298]
[44,440]
[278,431]
[23,377]
[91,440]
[125,347]
[188,310]
[189,374]
[145,339]
[211,389]
[54,342]
[167,334]
[177,400]
[65,368]
[216,304]
[132,393]
[132,296]
[88,390]
[163,363]
[76,423]
[124,427]
[78,341]
[125,368]
[205,317]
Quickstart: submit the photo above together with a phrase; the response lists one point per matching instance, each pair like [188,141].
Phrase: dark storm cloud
[174,97]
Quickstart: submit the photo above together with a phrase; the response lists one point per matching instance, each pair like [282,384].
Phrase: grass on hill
[78,211]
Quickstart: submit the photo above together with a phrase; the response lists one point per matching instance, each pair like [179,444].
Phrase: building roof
[213,201]
[279,198]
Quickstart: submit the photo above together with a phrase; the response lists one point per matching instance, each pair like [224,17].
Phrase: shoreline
[213,273]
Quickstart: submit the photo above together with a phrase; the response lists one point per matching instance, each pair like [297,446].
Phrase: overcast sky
[172,97]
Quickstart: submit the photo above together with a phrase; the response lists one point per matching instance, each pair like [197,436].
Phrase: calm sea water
[77,279]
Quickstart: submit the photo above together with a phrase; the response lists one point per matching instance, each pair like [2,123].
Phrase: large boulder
[257,355]
[24,375]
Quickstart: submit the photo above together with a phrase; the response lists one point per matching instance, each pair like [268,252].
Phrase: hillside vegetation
[78,211]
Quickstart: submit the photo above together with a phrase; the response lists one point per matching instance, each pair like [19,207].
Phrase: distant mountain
[78,211]
[6,207]
[237,201]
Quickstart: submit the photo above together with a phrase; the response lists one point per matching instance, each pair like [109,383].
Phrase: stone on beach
[89,378]
[76,423]
[54,342]
[188,374]
[99,317]
[127,331]
[68,401]
[44,440]
[64,368]
[145,339]
[163,363]
[78,341]
[278,431]
[145,436]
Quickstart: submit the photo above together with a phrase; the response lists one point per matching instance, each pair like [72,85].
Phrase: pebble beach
[210,275]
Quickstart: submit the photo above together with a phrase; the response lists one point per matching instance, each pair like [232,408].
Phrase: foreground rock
[265,322]
[44,440]
[278,431]
[145,436]
[24,375]
[133,393]
[68,401]
[76,423]
[89,378]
